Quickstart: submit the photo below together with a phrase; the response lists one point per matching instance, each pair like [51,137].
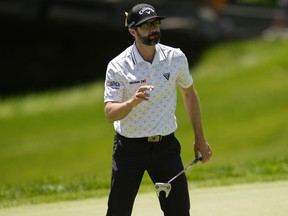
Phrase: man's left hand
[204,149]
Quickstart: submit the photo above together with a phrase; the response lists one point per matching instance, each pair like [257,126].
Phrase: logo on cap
[147,10]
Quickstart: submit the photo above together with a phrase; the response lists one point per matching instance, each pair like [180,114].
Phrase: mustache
[154,34]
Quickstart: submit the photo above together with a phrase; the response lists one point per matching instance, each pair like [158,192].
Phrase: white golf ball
[148,91]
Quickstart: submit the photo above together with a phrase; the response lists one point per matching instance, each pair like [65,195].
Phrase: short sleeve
[184,78]
[113,85]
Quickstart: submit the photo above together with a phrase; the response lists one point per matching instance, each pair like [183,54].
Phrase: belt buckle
[157,138]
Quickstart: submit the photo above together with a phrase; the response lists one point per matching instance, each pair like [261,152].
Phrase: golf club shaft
[194,162]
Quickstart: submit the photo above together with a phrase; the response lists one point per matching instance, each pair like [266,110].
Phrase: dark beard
[150,41]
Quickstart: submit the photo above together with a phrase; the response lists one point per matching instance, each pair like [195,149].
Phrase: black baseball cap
[140,13]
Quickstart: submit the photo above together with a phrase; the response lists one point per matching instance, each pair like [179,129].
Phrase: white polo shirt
[128,71]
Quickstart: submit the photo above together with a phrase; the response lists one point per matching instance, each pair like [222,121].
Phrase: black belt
[156,138]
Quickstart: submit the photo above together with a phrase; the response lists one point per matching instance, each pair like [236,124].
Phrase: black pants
[131,158]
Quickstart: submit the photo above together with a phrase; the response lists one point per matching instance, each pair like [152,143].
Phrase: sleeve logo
[113,84]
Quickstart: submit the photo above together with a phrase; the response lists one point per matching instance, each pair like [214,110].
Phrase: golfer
[140,99]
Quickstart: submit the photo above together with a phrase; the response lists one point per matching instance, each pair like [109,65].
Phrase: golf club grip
[194,162]
[198,159]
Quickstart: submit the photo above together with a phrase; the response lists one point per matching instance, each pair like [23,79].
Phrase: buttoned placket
[150,72]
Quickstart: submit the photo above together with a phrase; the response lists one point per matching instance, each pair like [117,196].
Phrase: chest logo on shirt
[167,76]
[138,81]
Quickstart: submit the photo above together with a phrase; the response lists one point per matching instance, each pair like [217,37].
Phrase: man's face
[149,32]
[151,39]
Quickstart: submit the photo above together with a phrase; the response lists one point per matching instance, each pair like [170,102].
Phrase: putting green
[259,199]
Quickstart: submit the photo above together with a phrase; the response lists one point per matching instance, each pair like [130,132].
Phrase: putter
[166,187]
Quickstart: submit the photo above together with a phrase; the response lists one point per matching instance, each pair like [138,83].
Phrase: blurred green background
[57,145]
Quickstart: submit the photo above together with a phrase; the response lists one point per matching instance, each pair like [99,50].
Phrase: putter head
[166,187]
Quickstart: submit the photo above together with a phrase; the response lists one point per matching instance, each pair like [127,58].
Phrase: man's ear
[132,32]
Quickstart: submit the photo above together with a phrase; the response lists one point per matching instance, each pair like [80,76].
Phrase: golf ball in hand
[148,91]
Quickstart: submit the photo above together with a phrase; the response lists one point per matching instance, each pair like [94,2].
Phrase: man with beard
[140,99]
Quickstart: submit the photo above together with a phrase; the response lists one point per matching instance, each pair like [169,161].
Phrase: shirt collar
[159,55]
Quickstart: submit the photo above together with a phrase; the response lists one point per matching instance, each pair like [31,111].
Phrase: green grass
[57,145]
